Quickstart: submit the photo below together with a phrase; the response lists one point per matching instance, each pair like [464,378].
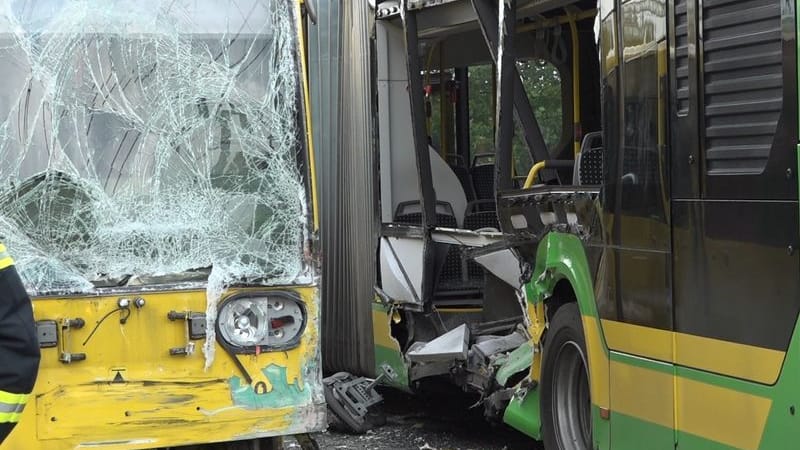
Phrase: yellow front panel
[131,393]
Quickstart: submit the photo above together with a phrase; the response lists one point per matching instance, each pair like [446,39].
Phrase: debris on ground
[351,400]
[427,421]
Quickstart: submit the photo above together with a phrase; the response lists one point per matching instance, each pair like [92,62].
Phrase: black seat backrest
[410,213]
[452,269]
[589,166]
[466,181]
[456,163]
[481,214]
[482,173]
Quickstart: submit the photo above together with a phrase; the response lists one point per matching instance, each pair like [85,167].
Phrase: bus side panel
[562,257]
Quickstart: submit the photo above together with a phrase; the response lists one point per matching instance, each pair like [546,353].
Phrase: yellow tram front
[156,194]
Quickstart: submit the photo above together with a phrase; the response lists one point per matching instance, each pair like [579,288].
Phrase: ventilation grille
[681,57]
[743,82]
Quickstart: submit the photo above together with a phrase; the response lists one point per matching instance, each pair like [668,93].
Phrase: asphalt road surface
[430,422]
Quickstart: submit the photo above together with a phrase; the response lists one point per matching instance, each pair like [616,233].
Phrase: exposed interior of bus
[458,309]
[658,136]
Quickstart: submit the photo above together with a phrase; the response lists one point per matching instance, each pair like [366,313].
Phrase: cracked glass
[144,142]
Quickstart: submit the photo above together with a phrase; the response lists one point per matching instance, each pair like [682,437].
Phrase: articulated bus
[156,194]
[590,216]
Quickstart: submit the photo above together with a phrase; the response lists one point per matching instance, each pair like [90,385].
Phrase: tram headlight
[261,322]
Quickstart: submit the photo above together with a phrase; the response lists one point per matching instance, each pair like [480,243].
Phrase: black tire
[565,399]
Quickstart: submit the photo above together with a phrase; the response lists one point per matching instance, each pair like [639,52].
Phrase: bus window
[542,83]
[481,109]
[439,112]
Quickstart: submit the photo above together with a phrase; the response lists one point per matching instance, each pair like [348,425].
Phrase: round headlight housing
[261,322]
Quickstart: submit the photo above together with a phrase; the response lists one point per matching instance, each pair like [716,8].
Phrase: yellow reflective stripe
[11,406]
[10,417]
[8,397]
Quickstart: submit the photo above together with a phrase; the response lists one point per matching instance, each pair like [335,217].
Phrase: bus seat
[589,161]
[410,213]
[482,172]
[481,214]
[458,166]
[450,272]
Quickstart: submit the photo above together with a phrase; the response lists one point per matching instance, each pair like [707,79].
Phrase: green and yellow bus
[589,216]
[156,194]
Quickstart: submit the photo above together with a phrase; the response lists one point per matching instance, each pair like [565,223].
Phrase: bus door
[735,213]
[635,304]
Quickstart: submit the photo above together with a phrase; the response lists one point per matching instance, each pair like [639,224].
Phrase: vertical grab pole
[506,74]
[423,157]
[577,130]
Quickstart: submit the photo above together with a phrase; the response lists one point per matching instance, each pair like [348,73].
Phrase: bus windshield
[151,139]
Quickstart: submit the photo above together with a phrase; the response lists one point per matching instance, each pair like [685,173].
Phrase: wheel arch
[561,264]
[562,269]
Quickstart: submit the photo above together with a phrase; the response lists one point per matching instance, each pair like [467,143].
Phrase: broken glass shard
[148,141]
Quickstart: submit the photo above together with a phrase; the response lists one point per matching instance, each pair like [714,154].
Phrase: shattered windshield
[144,139]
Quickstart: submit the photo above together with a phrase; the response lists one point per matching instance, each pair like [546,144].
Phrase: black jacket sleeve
[19,346]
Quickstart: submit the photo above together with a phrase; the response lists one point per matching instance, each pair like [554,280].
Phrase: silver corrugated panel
[341,94]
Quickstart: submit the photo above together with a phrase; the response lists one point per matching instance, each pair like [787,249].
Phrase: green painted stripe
[630,433]
[689,441]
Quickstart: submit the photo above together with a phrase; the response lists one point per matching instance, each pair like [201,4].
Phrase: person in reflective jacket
[19,346]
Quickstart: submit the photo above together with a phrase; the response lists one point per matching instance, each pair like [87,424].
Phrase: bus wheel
[565,402]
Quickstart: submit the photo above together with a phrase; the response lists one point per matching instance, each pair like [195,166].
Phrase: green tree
[542,85]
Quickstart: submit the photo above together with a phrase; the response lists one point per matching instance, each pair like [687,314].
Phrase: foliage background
[542,85]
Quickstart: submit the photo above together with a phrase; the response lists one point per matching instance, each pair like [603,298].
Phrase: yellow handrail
[533,173]
[576,100]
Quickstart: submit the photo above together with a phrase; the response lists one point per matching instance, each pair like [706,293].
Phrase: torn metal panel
[466,238]
[150,138]
[451,346]
[504,264]
[489,346]
[515,362]
[389,357]
[401,263]
[551,208]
